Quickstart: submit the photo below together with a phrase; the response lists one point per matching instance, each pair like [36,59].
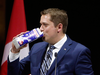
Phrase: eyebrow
[43,23]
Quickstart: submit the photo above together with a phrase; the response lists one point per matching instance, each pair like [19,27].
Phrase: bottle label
[27,37]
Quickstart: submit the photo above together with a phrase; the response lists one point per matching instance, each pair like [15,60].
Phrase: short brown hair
[57,16]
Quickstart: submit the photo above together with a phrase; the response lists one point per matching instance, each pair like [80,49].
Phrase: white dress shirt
[58,46]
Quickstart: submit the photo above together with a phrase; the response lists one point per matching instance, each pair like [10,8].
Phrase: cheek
[47,30]
[50,31]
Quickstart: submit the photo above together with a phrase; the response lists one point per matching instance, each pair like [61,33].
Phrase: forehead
[45,18]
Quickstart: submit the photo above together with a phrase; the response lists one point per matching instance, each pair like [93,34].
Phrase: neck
[57,39]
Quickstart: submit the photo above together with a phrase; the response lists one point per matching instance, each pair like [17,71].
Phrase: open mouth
[43,38]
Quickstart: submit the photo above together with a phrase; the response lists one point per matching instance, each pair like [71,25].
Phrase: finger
[14,37]
[20,34]
[26,31]
[23,46]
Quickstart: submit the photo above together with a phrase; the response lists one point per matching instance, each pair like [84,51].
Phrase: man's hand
[14,50]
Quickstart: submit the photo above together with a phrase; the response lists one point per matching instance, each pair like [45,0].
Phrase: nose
[41,28]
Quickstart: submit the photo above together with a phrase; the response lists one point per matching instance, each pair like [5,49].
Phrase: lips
[43,35]
[43,38]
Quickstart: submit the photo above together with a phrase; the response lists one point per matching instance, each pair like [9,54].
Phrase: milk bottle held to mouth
[27,37]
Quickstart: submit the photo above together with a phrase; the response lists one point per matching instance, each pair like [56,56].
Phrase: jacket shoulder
[38,46]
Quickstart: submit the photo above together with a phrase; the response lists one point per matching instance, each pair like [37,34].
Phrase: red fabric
[4,68]
[17,24]
[17,21]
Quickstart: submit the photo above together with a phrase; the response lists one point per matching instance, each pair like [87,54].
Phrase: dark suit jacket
[72,59]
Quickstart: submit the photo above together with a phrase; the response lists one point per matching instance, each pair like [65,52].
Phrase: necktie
[47,60]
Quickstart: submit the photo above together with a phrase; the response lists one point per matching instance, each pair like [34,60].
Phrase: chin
[43,38]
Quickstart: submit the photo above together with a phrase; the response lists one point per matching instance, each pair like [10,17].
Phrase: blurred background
[83,25]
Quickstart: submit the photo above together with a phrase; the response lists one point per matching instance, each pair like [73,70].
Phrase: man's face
[48,29]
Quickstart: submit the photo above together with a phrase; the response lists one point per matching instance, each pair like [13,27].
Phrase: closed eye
[44,24]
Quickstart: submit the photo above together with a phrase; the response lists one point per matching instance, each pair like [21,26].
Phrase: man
[68,56]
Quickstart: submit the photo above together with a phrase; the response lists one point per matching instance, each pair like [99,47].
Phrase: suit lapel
[38,56]
[42,54]
[65,48]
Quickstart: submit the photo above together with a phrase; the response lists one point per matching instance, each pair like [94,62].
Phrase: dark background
[83,25]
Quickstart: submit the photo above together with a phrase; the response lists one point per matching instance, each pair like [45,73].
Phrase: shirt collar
[60,43]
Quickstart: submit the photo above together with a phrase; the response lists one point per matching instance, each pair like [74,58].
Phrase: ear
[59,27]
